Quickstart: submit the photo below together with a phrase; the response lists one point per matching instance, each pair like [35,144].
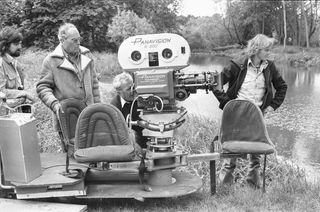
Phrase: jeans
[253,177]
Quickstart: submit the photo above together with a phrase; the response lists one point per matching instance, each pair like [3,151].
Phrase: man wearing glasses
[68,72]
[11,72]
[123,84]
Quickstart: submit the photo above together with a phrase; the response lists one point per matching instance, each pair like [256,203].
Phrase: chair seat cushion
[109,153]
[247,147]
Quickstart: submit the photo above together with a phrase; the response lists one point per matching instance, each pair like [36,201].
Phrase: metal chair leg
[213,180]
[264,174]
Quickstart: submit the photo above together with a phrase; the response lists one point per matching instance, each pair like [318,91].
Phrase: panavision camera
[156,62]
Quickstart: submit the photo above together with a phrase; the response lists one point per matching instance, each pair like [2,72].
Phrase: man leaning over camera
[123,84]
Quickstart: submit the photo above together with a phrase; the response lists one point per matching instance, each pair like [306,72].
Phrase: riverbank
[294,56]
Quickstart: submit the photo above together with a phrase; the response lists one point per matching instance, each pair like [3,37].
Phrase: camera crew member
[68,72]
[254,80]
[11,73]
[123,84]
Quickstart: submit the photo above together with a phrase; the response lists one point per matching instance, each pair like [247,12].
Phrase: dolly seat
[102,135]
[68,119]
[243,129]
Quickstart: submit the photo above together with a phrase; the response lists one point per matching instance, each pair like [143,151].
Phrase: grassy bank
[287,188]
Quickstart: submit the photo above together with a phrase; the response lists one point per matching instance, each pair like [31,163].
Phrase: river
[293,128]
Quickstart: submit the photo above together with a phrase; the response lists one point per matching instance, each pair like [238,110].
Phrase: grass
[287,187]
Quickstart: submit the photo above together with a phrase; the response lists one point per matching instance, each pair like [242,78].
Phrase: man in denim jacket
[11,72]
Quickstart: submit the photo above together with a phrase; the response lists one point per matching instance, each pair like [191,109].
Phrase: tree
[162,14]
[126,24]
[305,24]
[205,32]
[249,18]
[10,12]
[42,19]
[284,24]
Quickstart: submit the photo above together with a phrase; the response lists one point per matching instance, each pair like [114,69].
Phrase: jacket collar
[85,60]
[9,59]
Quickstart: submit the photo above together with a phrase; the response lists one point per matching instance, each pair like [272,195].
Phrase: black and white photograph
[159,105]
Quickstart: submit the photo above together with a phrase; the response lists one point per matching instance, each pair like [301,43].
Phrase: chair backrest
[243,122]
[68,119]
[100,125]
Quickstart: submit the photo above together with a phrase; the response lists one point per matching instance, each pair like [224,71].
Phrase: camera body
[155,61]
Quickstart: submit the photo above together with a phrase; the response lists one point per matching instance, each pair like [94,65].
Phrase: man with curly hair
[11,72]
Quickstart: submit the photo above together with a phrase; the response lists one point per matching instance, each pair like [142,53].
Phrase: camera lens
[135,55]
[167,53]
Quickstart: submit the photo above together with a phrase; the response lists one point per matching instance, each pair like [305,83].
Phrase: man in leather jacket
[253,80]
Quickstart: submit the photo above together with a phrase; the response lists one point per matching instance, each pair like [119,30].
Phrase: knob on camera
[181,94]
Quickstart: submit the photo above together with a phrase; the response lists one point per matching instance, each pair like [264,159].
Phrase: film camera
[156,62]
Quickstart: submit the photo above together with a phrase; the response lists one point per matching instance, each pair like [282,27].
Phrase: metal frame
[213,178]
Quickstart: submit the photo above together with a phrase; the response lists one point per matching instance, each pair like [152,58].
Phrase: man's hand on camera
[268,110]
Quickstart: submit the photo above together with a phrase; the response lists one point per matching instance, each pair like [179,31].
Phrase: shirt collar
[122,101]
[263,64]
[8,58]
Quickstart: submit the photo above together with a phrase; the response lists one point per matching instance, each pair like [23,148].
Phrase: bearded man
[11,72]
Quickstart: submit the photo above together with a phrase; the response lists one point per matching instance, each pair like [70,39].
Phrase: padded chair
[68,119]
[102,135]
[243,131]
[97,132]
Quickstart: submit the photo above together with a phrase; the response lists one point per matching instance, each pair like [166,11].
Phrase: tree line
[104,24]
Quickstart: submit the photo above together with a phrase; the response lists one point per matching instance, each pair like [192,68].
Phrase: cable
[72,164]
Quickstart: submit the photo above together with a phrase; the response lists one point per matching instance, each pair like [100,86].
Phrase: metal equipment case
[19,147]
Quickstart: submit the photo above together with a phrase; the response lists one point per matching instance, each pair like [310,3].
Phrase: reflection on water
[294,127]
